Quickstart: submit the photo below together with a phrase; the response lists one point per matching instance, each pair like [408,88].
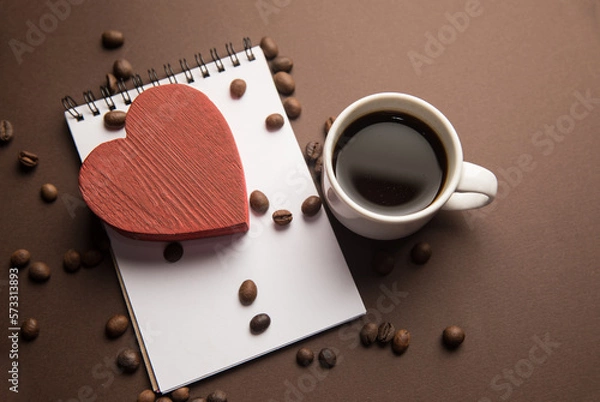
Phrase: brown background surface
[514,274]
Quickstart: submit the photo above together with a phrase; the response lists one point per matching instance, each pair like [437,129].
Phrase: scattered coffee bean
[284,83]
[111,83]
[237,88]
[453,336]
[112,39]
[328,124]
[173,252]
[92,258]
[6,131]
[128,360]
[260,323]
[368,334]
[19,258]
[39,271]
[30,329]
[259,202]
[217,396]
[311,206]
[318,167]
[269,47]
[49,192]
[313,150]
[304,356]
[164,399]
[274,121]
[385,332]
[420,253]
[383,262]
[180,394]
[292,107]
[28,159]
[281,63]
[115,119]
[122,69]
[71,260]
[282,217]
[116,326]
[247,292]
[327,358]
[146,395]
[401,341]
[198,399]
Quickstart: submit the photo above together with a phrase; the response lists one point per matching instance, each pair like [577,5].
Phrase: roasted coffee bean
[282,217]
[260,323]
[198,399]
[116,326]
[111,83]
[401,341]
[327,358]
[292,107]
[164,399]
[122,69]
[49,192]
[313,150]
[173,252]
[368,334]
[115,119]
[383,262]
[281,63]
[92,258]
[247,292]
[328,124]
[112,39]
[420,253]
[71,260]
[311,206]
[259,202]
[19,258]
[128,360]
[180,394]
[269,47]
[237,88]
[30,329]
[28,159]
[6,131]
[274,121]
[453,336]
[284,83]
[304,356]
[146,395]
[39,271]
[385,332]
[217,396]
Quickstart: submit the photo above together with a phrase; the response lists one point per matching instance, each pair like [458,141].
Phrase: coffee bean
[385,332]
[247,292]
[164,399]
[39,271]
[292,107]
[49,192]
[269,47]
[111,83]
[282,217]
[313,150]
[259,202]
[368,333]
[173,252]
[92,258]
[180,394]
[122,69]
[19,258]
[116,326]
[453,336]
[328,124]
[115,119]
[304,356]
[198,399]
[420,253]
[281,63]
[260,323]
[217,396]
[401,341]
[128,360]
[71,260]
[28,159]
[311,206]
[274,121]
[146,395]
[383,262]
[327,358]
[6,131]
[30,329]
[284,83]
[112,39]
[237,88]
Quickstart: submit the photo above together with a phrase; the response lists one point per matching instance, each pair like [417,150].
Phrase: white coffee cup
[466,185]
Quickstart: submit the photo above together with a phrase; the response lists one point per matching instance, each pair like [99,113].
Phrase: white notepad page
[187,316]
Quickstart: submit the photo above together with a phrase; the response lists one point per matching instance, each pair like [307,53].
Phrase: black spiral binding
[71,107]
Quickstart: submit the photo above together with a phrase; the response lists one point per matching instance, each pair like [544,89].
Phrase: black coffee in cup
[390,163]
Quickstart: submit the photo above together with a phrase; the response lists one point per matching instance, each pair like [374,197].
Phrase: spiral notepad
[186,315]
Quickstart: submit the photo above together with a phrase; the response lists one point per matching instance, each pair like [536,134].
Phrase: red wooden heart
[176,176]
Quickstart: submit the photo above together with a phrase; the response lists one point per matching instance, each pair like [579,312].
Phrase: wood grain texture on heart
[177,175]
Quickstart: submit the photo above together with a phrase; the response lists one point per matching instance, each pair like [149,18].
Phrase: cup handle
[476,188]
